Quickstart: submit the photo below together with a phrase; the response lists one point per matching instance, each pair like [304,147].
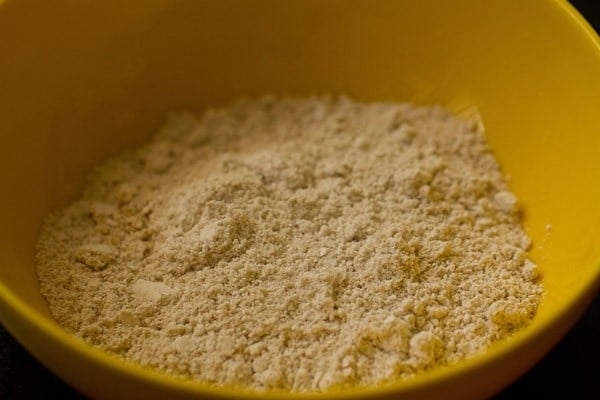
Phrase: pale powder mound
[295,243]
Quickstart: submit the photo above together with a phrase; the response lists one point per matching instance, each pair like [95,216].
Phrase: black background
[573,365]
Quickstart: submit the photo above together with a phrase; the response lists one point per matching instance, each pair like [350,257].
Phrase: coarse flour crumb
[294,243]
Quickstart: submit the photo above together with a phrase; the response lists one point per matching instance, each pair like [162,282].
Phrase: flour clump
[294,243]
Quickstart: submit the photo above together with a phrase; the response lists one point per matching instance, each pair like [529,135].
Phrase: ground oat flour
[295,243]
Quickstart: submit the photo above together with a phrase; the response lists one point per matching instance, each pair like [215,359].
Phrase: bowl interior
[81,82]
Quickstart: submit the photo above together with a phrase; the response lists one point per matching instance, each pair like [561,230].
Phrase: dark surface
[574,363]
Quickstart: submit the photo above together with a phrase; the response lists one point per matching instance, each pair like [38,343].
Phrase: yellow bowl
[80,81]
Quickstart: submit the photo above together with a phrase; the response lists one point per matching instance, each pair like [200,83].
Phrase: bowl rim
[104,359]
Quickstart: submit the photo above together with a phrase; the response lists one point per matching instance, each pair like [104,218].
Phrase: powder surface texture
[294,243]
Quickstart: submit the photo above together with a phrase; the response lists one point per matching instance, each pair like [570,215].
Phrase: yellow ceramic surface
[82,80]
